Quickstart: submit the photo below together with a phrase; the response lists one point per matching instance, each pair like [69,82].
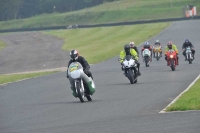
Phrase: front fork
[81,86]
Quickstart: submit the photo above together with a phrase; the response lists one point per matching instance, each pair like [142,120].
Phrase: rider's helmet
[146,45]
[74,55]
[157,42]
[132,44]
[187,41]
[169,45]
[127,48]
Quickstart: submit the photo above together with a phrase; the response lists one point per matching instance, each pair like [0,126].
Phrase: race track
[31,51]
[45,104]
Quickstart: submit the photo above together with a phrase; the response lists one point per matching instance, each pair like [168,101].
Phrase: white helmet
[146,43]
[132,44]
[157,41]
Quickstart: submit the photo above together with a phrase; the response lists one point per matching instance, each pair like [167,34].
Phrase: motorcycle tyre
[130,76]
[80,94]
[172,65]
[146,60]
[189,59]
[157,57]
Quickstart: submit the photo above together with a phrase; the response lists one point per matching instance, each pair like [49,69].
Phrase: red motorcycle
[172,59]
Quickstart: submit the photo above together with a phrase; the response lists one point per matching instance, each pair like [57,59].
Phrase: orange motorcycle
[172,60]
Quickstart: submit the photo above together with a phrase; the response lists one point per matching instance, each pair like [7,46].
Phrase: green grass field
[2,45]
[17,77]
[102,43]
[117,11]
[190,100]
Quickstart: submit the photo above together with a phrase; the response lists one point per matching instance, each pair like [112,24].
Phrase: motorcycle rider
[129,51]
[172,46]
[157,43]
[132,45]
[75,57]
[186,44]
[147,45]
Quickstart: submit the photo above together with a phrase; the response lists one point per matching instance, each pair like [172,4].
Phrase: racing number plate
[73,67]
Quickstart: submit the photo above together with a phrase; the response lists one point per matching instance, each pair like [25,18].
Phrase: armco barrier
[100,25]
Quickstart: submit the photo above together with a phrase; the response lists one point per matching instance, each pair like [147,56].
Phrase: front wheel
[130,76]
[80,92]
[189,59]
[157,56]
[172,65]
[146,60]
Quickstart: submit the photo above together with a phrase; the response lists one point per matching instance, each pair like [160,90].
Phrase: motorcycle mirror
[120,59]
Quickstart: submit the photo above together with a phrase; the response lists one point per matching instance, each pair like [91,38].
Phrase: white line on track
[164,110]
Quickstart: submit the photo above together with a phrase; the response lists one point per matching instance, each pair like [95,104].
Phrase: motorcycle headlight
[171,56]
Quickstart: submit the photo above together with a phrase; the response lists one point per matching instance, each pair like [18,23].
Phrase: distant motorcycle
[189,56]
[157,52]
[172,59]
[146,56]
[84,85]
[129,66]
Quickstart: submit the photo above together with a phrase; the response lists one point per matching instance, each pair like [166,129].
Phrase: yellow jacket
[173,47]
[133,53]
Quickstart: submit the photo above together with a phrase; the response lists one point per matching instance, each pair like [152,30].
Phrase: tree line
[17,9]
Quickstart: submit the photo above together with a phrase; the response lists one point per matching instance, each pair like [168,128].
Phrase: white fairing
[76,73]
[129,63]
[188,50]
[146,52]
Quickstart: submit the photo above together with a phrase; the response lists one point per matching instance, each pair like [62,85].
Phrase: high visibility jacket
[173,47]
[132,52]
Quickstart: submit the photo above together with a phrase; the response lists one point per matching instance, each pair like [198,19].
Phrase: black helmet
[187,41]
[127,48]
[74,55]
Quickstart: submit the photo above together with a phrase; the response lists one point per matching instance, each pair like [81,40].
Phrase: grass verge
[190,100]
[117,11]
[102,43]
[2,45]
[17,77]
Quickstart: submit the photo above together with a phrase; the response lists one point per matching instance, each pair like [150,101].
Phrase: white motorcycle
[129,66]
[189,55]
[146,54]
[84,85]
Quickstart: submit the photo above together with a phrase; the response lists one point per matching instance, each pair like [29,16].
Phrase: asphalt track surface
[45,104]
[31,51]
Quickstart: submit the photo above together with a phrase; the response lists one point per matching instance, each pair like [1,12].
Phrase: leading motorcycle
[129,66]
[84,85]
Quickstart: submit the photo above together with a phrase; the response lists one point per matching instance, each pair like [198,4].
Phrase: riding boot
[74,92]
